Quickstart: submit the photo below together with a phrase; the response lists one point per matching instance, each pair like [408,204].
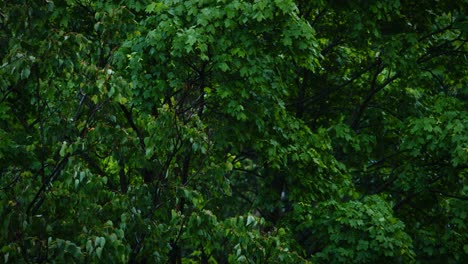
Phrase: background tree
[233,131]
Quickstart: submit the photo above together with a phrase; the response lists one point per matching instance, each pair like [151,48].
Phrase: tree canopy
[233,131]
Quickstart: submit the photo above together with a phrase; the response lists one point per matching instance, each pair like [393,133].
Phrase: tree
[233,131]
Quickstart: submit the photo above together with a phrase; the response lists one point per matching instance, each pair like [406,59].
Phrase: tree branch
[129,117]
[463,198]
[373,91]
[39,198]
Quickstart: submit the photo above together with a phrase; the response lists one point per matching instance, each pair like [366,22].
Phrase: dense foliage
[230,131]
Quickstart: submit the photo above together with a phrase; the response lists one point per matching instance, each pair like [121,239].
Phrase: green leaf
[250,220]
[99,252]
[25,73]
[63,149]
[223,66]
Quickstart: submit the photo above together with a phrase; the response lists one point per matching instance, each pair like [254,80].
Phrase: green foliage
[356,231]
[237,131]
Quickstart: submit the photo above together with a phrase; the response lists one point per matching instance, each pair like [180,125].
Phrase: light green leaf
[63,149]
[99,252]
